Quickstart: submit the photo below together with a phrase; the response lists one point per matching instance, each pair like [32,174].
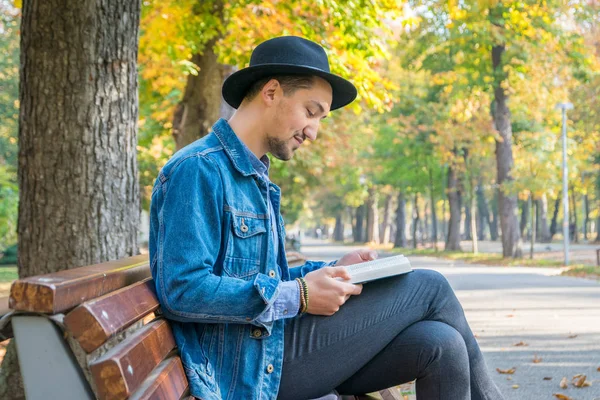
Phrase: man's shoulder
[203,152]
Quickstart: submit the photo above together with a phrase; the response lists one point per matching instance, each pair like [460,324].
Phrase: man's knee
[442,343]
[431,277]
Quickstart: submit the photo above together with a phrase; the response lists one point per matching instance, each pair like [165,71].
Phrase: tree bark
[542,234]
[507,202]
[416,219]
[202,103]
[524,217]
[372,216]
[493,217]
[454,200]
[575,234]
[483,214]
[586,216]
[434,230]
[338,231]
[78,176]
[467,208]
[384,232]
[554,223]
[400,240]
[359,224]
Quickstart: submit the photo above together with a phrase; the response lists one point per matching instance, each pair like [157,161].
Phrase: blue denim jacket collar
[234,148]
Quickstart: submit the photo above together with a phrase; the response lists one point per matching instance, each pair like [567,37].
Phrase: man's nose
[311,131]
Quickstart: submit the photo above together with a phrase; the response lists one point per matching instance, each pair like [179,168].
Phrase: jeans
[399,329]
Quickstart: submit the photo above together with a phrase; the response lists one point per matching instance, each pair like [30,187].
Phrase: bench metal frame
[48,367]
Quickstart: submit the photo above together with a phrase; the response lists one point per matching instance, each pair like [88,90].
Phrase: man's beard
[279,148]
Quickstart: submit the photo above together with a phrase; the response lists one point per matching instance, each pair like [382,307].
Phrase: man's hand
[326,294]
[356,257]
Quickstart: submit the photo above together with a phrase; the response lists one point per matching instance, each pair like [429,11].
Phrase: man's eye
[310,114]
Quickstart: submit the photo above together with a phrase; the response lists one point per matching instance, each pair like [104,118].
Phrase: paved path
[508,305]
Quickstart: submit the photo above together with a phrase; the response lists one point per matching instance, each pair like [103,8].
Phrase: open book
[377,269]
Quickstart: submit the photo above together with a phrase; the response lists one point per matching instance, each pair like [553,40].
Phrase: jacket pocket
[245,246]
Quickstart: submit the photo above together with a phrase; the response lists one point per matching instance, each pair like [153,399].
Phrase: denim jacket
[213,262]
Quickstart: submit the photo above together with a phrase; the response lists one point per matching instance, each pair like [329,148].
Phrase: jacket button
[256,333]
[270,368]
[272,274]
[244,228]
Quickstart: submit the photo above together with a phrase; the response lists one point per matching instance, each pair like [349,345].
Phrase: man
[246,325]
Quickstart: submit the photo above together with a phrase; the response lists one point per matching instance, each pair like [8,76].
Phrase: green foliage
[9,117]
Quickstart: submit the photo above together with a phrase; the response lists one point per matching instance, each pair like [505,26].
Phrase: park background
[453,147]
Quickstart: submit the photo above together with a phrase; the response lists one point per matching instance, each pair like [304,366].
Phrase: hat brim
[237,84]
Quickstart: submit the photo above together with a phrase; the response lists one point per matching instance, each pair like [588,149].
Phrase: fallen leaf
[564,383]
[579,381]
[572,336]
[510,315]
[562,396]
[507,371]
[509,378]
[521,343]
[536,359]
[598,369]
[547,378]
[515,386]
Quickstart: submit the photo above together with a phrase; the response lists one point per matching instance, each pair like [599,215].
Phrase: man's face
[296,118]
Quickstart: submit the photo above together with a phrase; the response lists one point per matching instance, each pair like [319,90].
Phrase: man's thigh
[322,352]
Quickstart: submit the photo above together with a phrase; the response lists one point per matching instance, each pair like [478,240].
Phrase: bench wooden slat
[167,381]
[57,292]
[95,321]
[122,369]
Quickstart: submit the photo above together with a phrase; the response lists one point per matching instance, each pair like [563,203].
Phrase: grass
[8,273]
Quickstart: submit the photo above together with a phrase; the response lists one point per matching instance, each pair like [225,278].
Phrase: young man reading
[246,325]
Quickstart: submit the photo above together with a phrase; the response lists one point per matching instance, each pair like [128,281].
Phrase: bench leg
[48,367]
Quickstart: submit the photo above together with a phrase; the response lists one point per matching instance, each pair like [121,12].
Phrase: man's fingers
[368,255]
[338,272]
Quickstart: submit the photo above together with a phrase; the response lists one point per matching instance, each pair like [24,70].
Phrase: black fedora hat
[287,55]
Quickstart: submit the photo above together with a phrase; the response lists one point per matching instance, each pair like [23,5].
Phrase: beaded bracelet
[305,290]
[303,302]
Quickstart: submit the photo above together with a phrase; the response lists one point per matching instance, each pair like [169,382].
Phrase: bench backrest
[102,301]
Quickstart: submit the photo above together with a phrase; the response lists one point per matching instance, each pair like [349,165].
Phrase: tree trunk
[586,216]
[533,224]
[359,224]
[597,229]
[493,217]
[483,213]
[434,230]
[338,231]
[400,240]
[384,232]
[454,199]
[201,105]
[524,217]
[554,223]
[372,216]
[416,219]
[78,176]
[575,233]
[467,219]
[507,202]
[542,234]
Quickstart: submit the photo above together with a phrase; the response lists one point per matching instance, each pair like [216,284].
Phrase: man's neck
[248,127]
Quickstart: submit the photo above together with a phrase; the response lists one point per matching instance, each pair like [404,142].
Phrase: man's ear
[269,91]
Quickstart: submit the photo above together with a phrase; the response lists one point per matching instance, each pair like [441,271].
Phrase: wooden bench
[92,332]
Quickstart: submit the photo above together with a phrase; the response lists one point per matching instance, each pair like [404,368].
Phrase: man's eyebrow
[320,107]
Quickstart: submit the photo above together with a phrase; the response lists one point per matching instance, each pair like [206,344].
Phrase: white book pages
[377,269]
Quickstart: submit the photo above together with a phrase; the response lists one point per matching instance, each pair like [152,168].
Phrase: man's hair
[289,84]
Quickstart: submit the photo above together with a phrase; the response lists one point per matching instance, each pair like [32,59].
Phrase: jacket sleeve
[187,211]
